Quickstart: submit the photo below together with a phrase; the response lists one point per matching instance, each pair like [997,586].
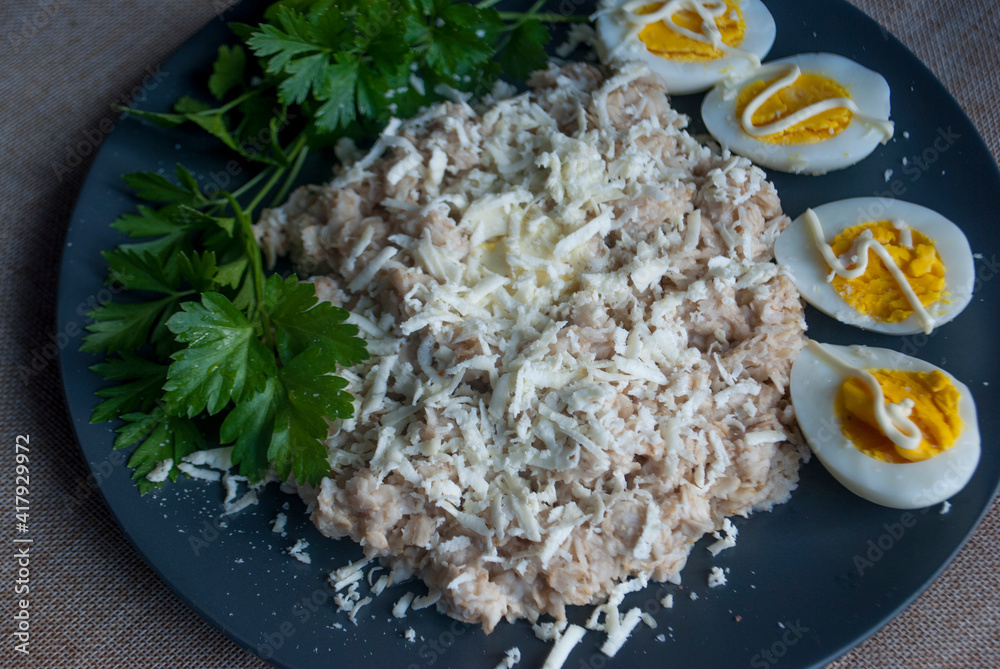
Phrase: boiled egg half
[926,451]
[810,113]
[900,268]
[691,44]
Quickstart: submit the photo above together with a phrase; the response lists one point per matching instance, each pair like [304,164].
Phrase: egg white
[795,251]
[867,89]
[614,45]
[910,485]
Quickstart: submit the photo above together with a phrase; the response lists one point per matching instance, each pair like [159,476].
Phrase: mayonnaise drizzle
[792,73]
[858,256]
[707,10]
[892,419]
[905,233]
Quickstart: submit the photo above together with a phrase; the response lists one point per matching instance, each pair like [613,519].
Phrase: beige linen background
[94,602]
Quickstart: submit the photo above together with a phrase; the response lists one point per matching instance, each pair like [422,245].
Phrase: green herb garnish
[216,339]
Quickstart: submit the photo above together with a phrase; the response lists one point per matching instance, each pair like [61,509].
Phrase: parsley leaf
[337,92]
[138,269]
[123,326]
[281,44]
[160,437]
[525,52]
[284,423]
[140,387]
[299,426]
[224,358]
[227,73]
[451,47]
[302,323]
[306,74]
[199,270]
[251,426]
[156,187]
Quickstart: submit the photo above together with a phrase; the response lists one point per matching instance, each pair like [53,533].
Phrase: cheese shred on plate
[577,337]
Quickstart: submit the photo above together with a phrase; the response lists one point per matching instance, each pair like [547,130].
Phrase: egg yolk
[661,40]
[807,89]
[935,412]
[876,293]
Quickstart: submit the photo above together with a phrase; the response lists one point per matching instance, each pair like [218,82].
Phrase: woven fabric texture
[94,602]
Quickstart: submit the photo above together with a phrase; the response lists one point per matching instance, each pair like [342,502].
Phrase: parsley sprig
[206,348]
[336,68]
[215,338]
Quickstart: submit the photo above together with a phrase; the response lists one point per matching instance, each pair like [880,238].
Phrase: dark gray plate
[808,581]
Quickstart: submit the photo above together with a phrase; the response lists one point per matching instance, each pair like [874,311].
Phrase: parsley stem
[550,17]
[486,4]
[520,18]
[239,192]
[293,150]
[265,189]
[229,105]
[256,263]
[290,179]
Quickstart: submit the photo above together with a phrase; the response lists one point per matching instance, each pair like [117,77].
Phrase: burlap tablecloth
[94,602]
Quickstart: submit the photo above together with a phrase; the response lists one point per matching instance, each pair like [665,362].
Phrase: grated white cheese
[347,581]
[541,293]
[198,472]
[549,631]
[381,584]
[160,472]
[424,601]
[279,523]
[399,609]
[511,657]
[368,273]
[232,484]
[765,437]
[360,604]
[725,540]
[716,577]
[248,498]
[215,458]
[464,577]
[298,551]
[563,646]
[350,572]
[617,637]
